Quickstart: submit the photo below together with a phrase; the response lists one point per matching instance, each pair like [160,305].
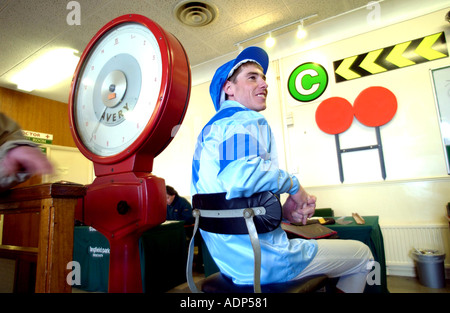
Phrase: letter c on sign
[308,82]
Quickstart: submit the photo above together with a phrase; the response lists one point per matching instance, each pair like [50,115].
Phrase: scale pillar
[125,265]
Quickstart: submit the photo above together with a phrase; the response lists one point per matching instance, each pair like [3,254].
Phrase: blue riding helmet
[254,54]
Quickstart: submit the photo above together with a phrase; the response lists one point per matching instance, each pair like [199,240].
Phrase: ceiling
[30,28]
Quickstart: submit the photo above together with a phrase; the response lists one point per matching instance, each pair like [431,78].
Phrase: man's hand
[26,159]
[299,207]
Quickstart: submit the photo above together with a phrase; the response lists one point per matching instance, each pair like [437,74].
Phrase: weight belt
[260,213]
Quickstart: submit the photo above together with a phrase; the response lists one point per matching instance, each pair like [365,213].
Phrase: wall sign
[405,54]
[38,137]
[374,107]
[308,82]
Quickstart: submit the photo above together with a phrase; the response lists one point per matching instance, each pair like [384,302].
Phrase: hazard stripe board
[405,54]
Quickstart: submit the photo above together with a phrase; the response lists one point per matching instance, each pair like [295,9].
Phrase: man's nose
[264,84]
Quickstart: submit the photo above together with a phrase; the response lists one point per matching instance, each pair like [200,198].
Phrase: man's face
[249,88]
[169,198]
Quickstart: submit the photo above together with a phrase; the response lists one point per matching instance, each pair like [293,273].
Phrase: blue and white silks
[235,154]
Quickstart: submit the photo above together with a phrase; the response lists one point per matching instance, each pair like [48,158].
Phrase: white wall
[69,165]
[417,187]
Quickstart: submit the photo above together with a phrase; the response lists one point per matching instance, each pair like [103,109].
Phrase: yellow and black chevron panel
[405,54]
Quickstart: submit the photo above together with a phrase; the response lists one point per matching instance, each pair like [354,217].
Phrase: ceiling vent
[195,13]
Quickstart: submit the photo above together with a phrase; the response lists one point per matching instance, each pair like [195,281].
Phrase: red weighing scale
[130,91]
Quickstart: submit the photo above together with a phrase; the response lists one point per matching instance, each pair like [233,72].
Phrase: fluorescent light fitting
[48,70]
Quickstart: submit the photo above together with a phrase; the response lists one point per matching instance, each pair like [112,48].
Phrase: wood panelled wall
[38,114]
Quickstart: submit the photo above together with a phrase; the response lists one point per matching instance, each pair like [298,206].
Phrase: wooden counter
[55,202]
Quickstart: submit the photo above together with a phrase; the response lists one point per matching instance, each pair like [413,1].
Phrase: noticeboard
[441,84]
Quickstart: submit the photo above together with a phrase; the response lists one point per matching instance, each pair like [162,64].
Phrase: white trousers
[346,259]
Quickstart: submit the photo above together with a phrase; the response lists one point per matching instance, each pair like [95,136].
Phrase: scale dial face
[118,89]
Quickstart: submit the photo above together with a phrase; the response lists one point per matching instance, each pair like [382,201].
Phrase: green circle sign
[308,82]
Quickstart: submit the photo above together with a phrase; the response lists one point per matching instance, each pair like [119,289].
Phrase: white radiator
[399,241]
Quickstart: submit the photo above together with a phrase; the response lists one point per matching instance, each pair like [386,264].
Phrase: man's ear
[228,88]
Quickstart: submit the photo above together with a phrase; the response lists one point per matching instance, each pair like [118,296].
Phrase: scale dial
[120,88]
[115,98]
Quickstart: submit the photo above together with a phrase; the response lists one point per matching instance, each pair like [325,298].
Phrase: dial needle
[98,124]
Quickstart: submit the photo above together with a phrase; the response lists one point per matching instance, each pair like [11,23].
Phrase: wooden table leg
[55,245]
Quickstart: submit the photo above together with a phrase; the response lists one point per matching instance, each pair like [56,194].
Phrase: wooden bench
[55,202]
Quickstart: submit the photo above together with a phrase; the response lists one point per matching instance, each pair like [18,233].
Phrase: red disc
[375,106]
[334,115]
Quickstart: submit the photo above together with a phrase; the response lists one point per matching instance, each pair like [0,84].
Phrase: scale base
[122,207]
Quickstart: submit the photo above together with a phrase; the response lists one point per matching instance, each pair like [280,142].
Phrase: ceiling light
[301,32]
[47,70]
[270,41]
